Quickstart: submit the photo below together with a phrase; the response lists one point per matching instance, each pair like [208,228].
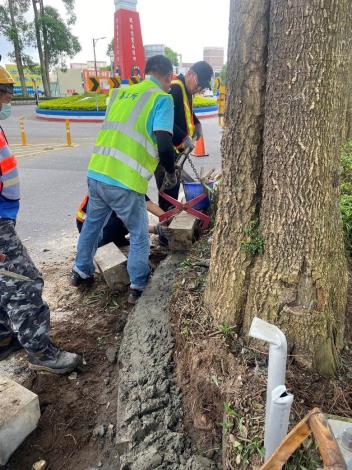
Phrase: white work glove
[170,181]
[188,144]
[199,131]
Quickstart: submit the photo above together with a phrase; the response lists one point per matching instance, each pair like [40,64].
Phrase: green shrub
[89,102]
[86,102]
[201,102]
[346,194]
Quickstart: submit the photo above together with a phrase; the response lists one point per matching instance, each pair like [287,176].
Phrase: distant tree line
[49,33]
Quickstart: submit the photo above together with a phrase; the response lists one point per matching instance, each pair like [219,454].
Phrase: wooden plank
[328,446]
[112,264]
[184,231]
[292,441]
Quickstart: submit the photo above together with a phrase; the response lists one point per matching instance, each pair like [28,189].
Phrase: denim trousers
[131,208]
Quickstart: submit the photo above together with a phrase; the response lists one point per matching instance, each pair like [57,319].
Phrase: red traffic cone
[199,149]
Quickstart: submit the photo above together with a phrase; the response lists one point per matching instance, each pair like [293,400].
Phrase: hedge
[76,103]
[201,102]
[88,102]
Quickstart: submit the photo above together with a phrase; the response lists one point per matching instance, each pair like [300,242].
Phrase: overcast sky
[184,25]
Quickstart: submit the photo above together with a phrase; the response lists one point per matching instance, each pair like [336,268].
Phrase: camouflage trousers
[22,309]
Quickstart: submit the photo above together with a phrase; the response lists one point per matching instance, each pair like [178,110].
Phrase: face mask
[5,111]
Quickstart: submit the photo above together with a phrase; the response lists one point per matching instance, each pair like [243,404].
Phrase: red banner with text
[129,50]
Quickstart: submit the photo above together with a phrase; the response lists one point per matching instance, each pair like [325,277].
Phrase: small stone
[40,465]
[45,250]
[99,431]
[111,354]
[111,432]
[73,376]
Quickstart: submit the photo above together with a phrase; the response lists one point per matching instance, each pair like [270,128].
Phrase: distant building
[184,67]
[88,65]
[66,82]
[32,77]
[215,57]
[78,66]
[153,49]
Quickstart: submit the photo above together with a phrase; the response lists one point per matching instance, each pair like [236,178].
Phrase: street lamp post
[95,40]
[112,64]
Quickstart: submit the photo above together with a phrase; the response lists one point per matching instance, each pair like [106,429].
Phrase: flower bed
[92,108]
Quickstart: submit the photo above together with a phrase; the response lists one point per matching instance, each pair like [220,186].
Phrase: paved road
[54,181]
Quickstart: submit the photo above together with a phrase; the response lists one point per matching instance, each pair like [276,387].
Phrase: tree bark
[281,184]
[242,149]
[44,73]
[348,135]
[45,42]
[17,47]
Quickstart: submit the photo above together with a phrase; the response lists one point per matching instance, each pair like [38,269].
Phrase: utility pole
[95,40]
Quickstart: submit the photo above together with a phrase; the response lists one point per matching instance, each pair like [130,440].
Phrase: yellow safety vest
[191,128]
[124,149]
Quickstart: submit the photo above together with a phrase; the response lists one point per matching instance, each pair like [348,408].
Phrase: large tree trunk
[44,72]
[17,47]
[348,135]
[278,248]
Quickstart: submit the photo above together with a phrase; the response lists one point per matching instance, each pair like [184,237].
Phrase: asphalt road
[53,178]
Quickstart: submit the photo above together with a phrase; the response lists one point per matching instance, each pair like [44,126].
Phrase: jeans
[131,208]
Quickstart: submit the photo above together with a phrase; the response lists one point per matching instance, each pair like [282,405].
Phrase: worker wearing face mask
[5,111]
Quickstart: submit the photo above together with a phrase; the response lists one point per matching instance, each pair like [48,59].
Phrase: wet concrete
[149,418]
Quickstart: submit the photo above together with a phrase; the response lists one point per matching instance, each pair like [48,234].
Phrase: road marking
[33,150]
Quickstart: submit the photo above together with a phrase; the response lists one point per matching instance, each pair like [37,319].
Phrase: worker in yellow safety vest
[186,124]
[136,135]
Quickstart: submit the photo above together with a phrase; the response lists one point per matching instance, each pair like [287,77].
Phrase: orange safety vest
[9,180]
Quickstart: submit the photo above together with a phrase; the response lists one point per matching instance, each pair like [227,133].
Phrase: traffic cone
[199,149]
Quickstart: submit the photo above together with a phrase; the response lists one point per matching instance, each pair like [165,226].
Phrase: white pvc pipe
[280,409]
[264,331]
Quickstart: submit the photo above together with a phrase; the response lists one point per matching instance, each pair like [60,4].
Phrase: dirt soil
[78,422]
[223,381]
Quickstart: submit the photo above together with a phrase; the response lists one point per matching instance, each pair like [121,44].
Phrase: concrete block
[184,231]
[19,416]
[112,264]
